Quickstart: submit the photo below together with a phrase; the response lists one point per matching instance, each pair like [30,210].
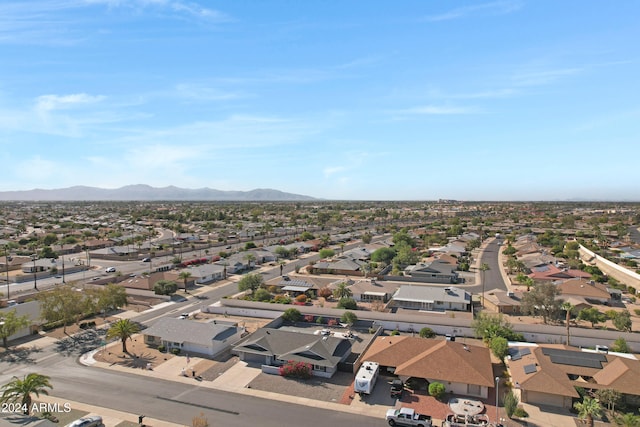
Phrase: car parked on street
[92,421]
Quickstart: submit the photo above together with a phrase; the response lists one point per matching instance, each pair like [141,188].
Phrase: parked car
[93,421]
[407,417]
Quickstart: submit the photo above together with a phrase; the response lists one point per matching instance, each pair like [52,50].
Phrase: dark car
[397,387]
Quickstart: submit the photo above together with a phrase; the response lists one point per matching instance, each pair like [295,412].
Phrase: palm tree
[588,409]
[22,389]
[342,291]
[568,308]
[484,267]
[123,329]
[184,275]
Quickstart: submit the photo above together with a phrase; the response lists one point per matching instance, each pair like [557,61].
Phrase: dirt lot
[137,356]
[326,389]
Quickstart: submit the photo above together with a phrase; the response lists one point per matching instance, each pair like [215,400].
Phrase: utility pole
[6,265]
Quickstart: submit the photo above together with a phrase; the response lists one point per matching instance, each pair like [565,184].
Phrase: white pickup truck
[407,417]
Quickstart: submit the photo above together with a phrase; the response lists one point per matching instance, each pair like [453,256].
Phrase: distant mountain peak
[144,192]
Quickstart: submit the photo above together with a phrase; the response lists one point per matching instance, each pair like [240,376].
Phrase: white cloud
[46,103]
[493,8]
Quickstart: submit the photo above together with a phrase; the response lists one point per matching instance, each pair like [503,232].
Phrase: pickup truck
[407,417]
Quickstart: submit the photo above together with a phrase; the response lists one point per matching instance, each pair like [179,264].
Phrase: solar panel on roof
[530,369]
[524,351]
[575,358]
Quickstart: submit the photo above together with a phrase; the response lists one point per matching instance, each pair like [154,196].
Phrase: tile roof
[183,330]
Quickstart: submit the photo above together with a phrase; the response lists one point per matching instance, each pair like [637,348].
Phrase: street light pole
[35,275]
[497,384]
[6,265]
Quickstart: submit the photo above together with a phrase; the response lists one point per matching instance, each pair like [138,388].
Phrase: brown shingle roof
[434,359]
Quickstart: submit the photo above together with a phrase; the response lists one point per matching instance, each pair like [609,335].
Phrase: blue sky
[418,100]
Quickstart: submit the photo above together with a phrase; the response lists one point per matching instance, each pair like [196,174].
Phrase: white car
[110,270]
[93,421]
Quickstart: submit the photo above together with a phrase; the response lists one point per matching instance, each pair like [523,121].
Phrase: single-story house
[503,302]
[461,368]
[436,271]
[344,266]
[549,375]
[370,290]
[551,272]
[421,297]
[31,309]
[206,273]
[589,290]
[275,347]
[210,338]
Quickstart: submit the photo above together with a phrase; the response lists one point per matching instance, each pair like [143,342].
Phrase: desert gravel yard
[325,389]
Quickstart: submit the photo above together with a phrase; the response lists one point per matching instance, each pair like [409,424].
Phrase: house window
[473,389]
[320,368]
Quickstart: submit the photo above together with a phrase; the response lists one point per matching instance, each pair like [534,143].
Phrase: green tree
[427,332]
[588,409]
[592,315]
[326,253]
[366,238]
[622,321]
[63,304]
[306,236]
[111,297]
[436,389]
[165,287]
[488,326]
[250,282]
[349,318]
[123,329]
[20,390]
[184,276]
[342,291]
[509,250]
[10,323]
[609,397]
[384,255]
[292,315]
[499,347]
[620,346]
[541,300]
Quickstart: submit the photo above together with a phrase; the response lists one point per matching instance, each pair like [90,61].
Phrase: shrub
[319,320]
[175,350]
[636,311]
[427,333]
[308,318]
[348,304]
[301,298]
[291,315]
[510,403]
[162,348]
[296,370]
[282,299]
[395,332]
[262,295]
[436,389]
[332,322]
[520,413]
[325,292]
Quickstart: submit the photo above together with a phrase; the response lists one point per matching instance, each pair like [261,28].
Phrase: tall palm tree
[588,409]
[22,389]
[484,267]
[123,329]
[568,308]
[342,291]
[184,275]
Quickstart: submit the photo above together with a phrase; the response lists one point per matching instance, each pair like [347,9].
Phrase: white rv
[366,378]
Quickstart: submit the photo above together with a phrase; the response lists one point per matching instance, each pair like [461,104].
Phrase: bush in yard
[427,333]
[296,370]
[325,292]
[281,299]
[319,320]
[175,350]
[348,304]
[292,315]
[436,389]
[301,298]
[520,413]
[308,318]
[262,295]
[161,348]
[510,403]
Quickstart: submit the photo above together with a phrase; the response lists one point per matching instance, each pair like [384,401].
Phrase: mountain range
[142,192]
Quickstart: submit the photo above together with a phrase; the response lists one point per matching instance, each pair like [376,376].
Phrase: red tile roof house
[551,272]
[462,369]
[549,375]
[587,290]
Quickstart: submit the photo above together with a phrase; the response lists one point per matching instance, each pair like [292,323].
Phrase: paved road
[634,234]
[173,401]
[492,277]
